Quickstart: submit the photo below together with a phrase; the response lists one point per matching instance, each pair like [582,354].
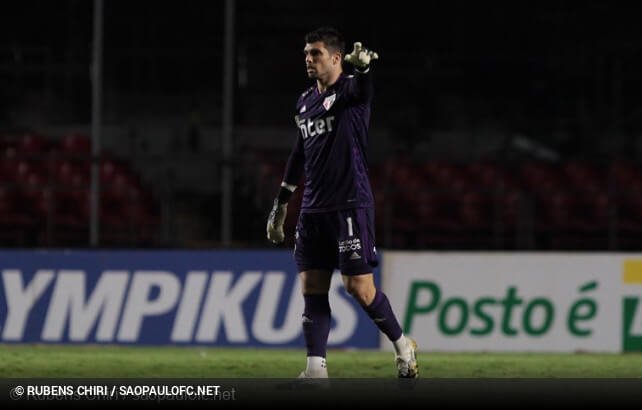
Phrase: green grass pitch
[34,361]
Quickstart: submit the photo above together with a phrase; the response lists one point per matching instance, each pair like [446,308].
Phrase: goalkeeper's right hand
[275,222]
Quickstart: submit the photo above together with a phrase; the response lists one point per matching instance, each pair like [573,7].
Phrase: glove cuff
[362,70]
[285,193]
[283,197]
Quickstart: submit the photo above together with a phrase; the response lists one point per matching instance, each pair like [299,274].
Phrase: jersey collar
[332,87]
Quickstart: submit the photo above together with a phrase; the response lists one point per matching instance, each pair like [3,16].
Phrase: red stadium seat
[8,200]
[490,176]
[44,204]
[12,210]
[511,209]
[31,143]
[542,177]
[599,209]
[111,170]
[72,210]
[568,213]
[437,212]
[42,188]
[629,212]
[476,211]
[75,144]
[10,162]
[65,173]
[627,176]
[585,177]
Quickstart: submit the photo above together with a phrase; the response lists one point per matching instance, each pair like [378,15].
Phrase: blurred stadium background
[497,126]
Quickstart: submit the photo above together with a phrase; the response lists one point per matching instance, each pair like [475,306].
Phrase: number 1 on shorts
[349,219]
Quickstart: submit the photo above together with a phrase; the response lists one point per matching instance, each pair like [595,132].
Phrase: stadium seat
[476,211]
[45,188]
[585,177]
[72,209]
[75,144]
[600,211]
[69,174]
[446,175]
[629,212]
[542,177]
[44,204]
[627,176]
[30,143]
[15,221]
[31,184]
[26,171]
[107,171]
[12,211]
[10,162]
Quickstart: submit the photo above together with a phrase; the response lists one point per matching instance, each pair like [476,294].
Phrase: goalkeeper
[336,225]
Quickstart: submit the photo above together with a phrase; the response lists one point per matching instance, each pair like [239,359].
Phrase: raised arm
[360,89]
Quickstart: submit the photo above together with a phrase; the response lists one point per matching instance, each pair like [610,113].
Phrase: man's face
[319,62]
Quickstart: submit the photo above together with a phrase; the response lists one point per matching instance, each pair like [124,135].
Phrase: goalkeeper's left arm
[293,171]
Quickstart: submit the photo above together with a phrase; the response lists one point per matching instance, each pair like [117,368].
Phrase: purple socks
[316,323]
[381,313]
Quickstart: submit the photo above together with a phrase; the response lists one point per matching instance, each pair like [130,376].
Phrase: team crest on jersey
[327,103]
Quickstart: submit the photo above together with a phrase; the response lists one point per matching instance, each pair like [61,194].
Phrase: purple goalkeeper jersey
[331,145]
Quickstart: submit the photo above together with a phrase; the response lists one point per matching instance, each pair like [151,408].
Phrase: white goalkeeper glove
[361,57]
[275,222]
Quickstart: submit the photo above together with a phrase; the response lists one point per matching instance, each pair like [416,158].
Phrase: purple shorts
[339,239]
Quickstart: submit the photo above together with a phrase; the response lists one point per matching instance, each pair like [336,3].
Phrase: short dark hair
[331,38]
